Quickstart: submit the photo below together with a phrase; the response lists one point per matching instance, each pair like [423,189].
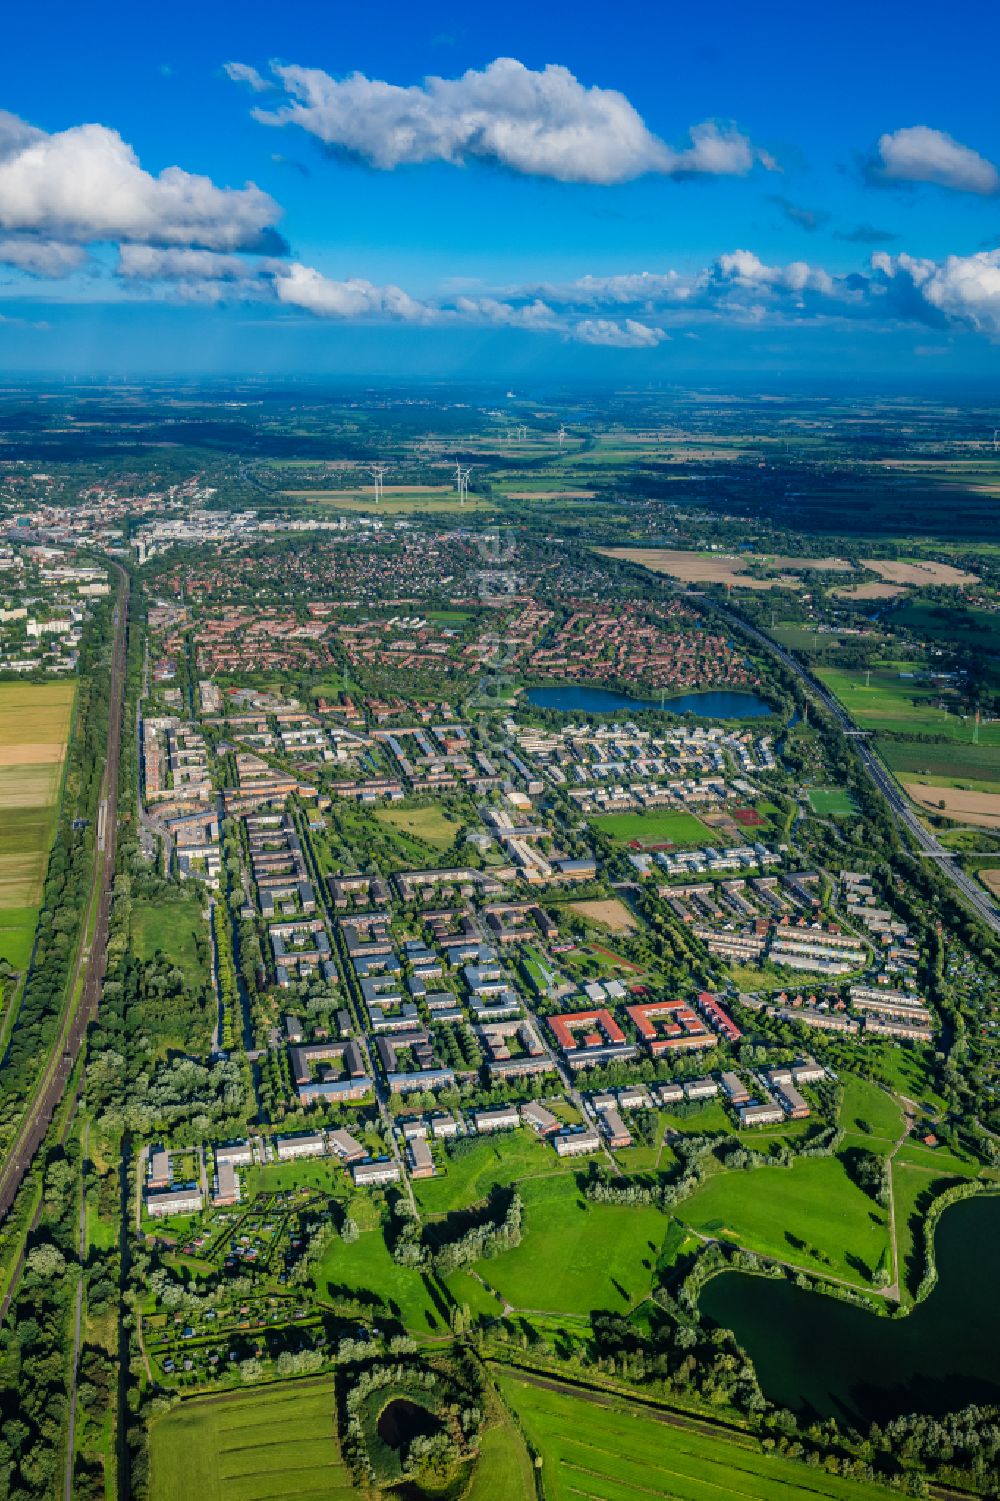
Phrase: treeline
[67,883]
[497,1229]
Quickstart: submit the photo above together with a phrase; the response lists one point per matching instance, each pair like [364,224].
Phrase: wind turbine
[378,471]
[561,435]
[462,483]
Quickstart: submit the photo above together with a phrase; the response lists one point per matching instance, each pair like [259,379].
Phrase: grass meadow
[34,728]
[669,827]
[252,1446]
[810,1214]
[605,1450]
[882,700]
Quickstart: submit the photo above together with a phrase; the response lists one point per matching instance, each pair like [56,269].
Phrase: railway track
[90,959]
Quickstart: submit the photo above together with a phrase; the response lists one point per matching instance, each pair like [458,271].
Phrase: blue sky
[646,190]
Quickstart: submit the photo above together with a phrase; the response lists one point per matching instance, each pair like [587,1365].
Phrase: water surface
[815,1354]
[717,703]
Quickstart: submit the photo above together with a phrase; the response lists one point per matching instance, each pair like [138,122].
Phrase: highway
[974,895]
[90,962]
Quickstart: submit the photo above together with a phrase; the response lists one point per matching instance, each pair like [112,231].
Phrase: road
[90,962]
[973,894]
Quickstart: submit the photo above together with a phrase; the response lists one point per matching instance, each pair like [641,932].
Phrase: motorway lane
[974,894]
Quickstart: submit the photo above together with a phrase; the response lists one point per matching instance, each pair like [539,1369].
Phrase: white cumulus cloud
[918,153]
[85,184]
[244,73]
[303,286]
[543,123]
[628,334]
[962,289]
[48,258]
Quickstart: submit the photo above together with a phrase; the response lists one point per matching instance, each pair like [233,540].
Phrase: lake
[814,1354]
[717,703]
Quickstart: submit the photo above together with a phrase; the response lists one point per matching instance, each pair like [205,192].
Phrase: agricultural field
[883,700]
[701,567]
[810,1215]
[981,809]
[948,761]
[34,729]
[249,1446]
[396,501]
[669,827]
[597,1447]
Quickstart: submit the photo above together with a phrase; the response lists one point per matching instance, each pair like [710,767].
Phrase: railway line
[92,948]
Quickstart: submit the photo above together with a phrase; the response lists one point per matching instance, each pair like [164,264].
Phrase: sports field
[607,1450]
[251,1446]
[831,802]
[668,827]
[34,728]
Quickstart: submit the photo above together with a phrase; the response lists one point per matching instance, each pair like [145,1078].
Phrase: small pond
[401,1421]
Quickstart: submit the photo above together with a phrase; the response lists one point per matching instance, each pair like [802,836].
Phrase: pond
[401,1421]
[719,703]
[814,1354]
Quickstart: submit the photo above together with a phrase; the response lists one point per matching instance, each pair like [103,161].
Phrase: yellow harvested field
[34,727]
[35,713]
[697,567]
[551,494]
[825,565]
[611,914]
[912,572]
[991,880]
[868,591]
[979,808]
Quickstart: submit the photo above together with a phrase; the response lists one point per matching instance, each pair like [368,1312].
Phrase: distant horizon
[475,193]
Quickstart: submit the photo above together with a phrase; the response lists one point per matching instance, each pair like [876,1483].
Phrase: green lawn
[831,802]
[431,824]
[919,1173]
[792,1214]
[367,1268]
[577,1256]
[668,827]
[469,1178]
[866,1104]
[17,929]
[251,1446]
[171,925]
[613,1451]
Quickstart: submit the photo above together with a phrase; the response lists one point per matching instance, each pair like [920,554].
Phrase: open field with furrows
[916,571]
[600,1448]
[34,728]
[810,1215]
[883,700]
[667,827]
[947,762]
[982,809]
[252,1446]
[991,880]
[869,591]
[699,567]
[611,914]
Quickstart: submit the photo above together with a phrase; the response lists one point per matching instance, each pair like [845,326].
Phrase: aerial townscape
[499,834]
